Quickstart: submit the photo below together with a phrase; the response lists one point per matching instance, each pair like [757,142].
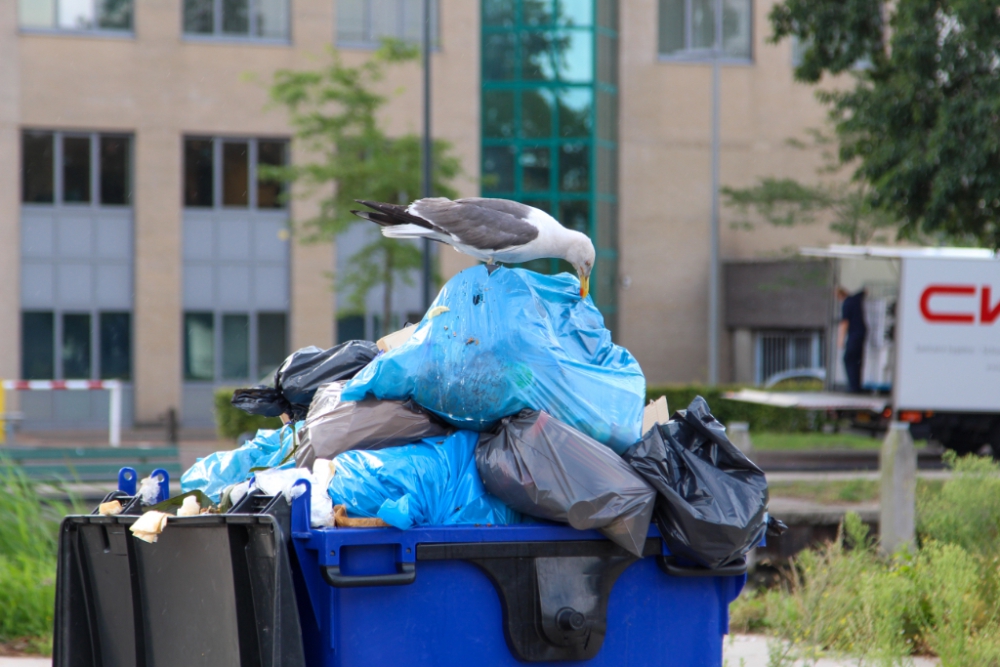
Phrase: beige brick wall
[10,183]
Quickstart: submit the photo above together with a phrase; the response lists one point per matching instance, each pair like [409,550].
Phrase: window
[76,15]
[234,334]
[363,23]
[59,168]
[247,19]
[780,351]
[230,185]
[72,335]
[687,29]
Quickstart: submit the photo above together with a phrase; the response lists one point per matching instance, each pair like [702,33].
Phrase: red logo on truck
[988,311]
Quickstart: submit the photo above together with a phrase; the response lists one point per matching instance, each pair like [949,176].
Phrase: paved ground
[752,651]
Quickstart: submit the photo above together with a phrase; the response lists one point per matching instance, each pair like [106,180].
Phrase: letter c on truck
[988,312]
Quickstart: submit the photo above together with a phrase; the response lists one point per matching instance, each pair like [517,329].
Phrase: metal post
[115,413]
[428,147]
[3,414]
[713,277]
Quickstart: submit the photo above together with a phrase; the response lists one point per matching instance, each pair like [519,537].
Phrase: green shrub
[760,417]
[230,422]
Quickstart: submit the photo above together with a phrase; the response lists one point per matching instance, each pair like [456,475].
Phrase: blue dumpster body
[500,595]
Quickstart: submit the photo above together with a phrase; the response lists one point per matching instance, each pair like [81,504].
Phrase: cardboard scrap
[395,339]
[149,526]
[655,413]
[343,521]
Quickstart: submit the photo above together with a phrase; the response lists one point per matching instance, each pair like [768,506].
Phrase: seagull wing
[481,223]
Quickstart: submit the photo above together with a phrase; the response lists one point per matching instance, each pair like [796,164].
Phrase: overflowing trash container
[479,491]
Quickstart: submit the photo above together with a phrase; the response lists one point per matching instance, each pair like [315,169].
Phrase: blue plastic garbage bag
[215,472]
[433,482]
[511,340]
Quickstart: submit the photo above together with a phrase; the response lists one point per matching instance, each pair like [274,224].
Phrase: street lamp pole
[713,277]
[428,157]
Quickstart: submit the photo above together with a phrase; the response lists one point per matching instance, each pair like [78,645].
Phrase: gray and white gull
[491,230]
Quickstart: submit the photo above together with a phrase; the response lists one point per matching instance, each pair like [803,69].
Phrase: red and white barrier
[112,386]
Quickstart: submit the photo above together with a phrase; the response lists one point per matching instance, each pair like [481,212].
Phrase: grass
[29,531]
[770,441]
[941,597]
[837,492]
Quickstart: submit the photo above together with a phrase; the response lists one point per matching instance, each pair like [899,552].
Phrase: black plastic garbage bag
[712,502]
[334,426]
[542,467]
[301,374]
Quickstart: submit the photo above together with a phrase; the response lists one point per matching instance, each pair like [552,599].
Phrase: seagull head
[580,253]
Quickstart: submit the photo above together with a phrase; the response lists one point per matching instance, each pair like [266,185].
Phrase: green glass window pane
[537,12]
[235,347]
[574,168]
[76,347]
[575,55]
[272,19]
[272,341]
[576,112]
[498,12]
[199,17]
[702,24]
[536,113]
[498,57]
[537,55]
[198,172]
[535,169]
[671,25]
[498,114]
[116,346]
[575,214]
[540,204]
[36,13]
[199,346]
[115,170]
[114,14]
[76,170]
[498,168]
[37,346]
[235,174]
[575,13]
[737,28]
[350,327]
[236,17]
[607,14]
[37,171]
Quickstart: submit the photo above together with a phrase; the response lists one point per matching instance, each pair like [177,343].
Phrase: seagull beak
[584,286]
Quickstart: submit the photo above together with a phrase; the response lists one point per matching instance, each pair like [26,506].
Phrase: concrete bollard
[898,466]
[739,435]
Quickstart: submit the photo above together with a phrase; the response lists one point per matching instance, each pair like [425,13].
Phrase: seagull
[490,230]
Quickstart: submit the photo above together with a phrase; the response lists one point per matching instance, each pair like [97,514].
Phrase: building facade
[137,241]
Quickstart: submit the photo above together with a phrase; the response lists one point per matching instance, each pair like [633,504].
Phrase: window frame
[701,56]
[55,29]
[218,176]
[217,35]
[218,342]
[58,200]
[372,44]
[96,372]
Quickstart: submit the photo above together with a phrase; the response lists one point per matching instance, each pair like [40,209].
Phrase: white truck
[932,354]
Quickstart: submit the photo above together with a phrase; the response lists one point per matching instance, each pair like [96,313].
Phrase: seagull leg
[491,266]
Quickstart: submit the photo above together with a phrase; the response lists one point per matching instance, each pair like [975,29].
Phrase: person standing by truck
[851,335]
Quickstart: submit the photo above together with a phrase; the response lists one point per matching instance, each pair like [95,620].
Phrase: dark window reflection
[498,57]
[537,48]
[115,186]
[536,113]
[498,168]
[498,114]
[114,14]
[575,112]
[575,214]
[272,340]
[116,346]
[37,346]
[537,12]
[574,168]
[535,169]
[37,167]
[198,172]
[235,17]
[235,174]
[76,347]
[270,154]
[76,169]
[235,347]
[199,16]
[199,346]
[498,12]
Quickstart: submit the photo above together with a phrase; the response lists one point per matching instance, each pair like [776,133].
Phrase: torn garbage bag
[216,471]
[511,340]
[301,374]
[544,468]
[334,426]
[430,483]
[712,502]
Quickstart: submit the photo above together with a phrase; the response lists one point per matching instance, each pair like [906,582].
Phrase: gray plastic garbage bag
[712,502]
[542,467]
[334,426]
[301,374]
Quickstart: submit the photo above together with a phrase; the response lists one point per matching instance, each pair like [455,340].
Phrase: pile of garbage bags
[508,402]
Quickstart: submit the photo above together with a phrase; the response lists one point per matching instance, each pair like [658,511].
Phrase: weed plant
[941,597]
[29,533]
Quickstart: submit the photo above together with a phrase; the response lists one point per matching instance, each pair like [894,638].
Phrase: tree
[334,113]
[921,124]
